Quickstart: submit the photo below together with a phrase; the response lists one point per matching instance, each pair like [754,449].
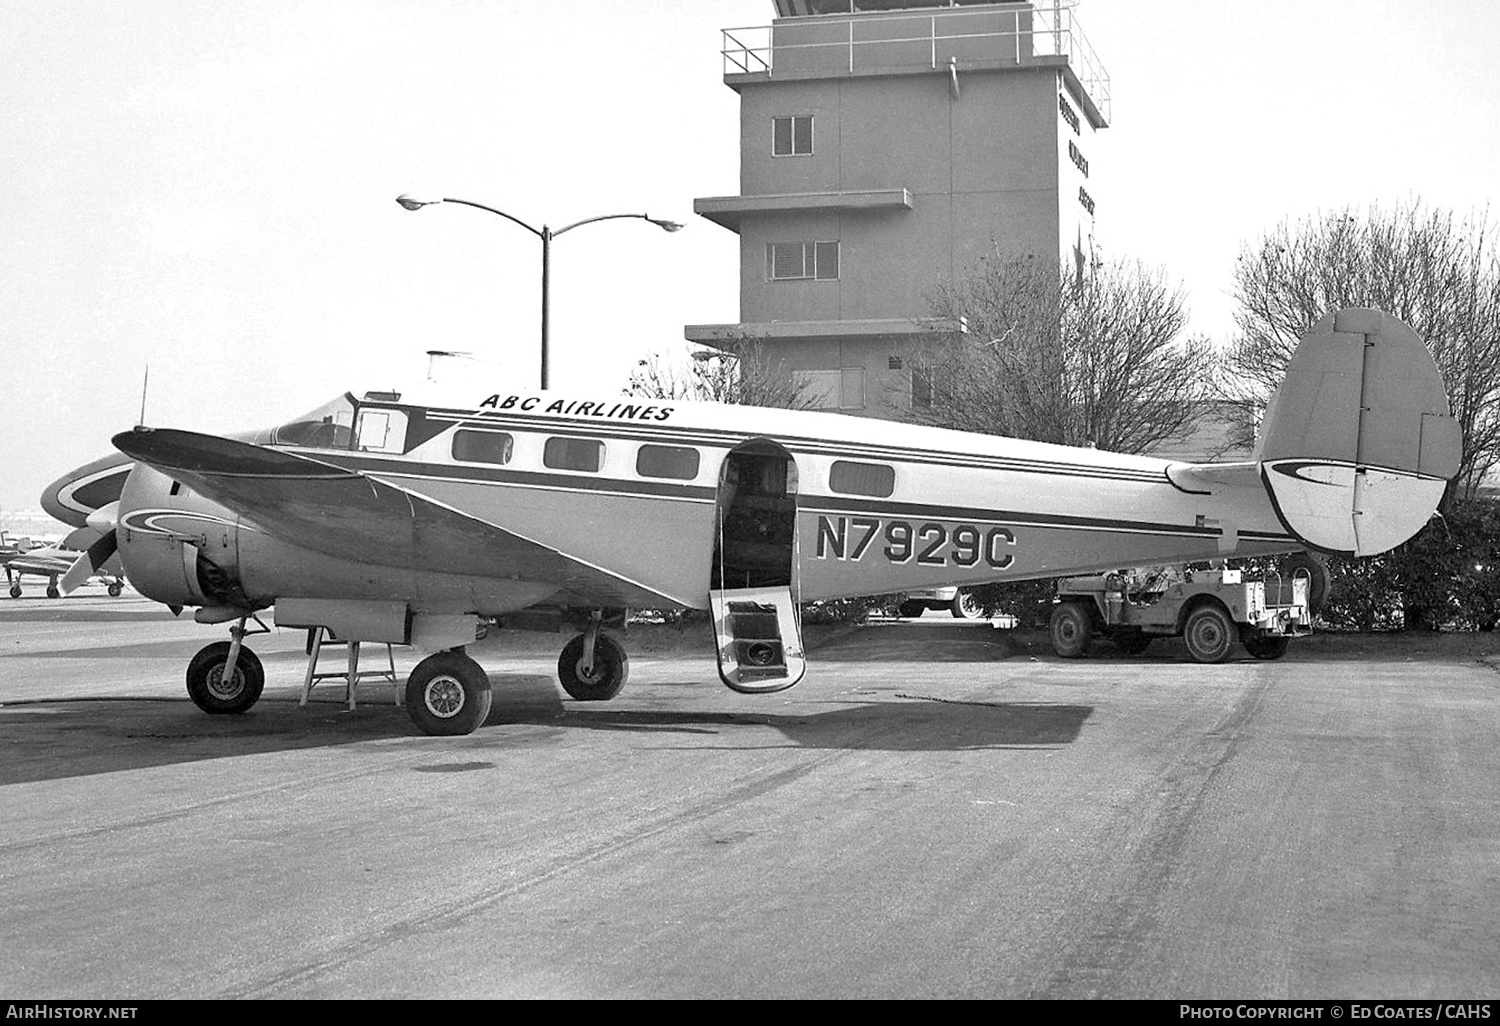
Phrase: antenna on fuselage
[145,380]
[436,355]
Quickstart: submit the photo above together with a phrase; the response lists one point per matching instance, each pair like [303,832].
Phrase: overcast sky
[208,187]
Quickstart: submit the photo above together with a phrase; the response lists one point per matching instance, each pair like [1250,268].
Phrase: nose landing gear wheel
[604,679]
[448,694]
[209,690]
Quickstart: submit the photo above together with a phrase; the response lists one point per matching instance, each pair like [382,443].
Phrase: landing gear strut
[593,666]
[226,677]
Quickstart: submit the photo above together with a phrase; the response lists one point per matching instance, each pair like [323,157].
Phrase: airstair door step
[759,634]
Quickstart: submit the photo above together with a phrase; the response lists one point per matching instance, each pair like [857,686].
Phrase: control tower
[885,146]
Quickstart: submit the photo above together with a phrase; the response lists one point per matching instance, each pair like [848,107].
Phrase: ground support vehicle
[958,601]
[1209,609]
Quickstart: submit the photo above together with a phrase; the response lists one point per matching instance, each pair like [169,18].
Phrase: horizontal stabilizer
[1358,443]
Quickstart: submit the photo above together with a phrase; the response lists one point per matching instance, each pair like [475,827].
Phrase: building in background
[885,146]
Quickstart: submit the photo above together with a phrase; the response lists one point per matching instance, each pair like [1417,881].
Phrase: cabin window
[483,447]
[380,431]
[875,479]
[330,426]
[676,462]
[586,454]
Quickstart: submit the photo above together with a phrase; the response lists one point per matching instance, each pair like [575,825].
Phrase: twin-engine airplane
[388,520]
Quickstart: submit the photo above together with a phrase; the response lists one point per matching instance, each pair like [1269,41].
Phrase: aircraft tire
[448,694]
[966,607]
[611,670]
[1267,646]
[115,590]
[1070,630]
[53,592]
[912,610]
[15,591]
[205,680]
[1209,633]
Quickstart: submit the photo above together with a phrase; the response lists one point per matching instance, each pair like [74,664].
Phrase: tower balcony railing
[905,40]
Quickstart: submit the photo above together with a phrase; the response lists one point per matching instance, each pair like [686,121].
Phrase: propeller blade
[103,518]
[88,564]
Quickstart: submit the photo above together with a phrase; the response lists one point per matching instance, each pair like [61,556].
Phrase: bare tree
[741,373]
[1439,274]
[1093,361]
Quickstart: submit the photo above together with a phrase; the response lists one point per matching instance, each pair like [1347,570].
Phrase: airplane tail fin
[1358,442]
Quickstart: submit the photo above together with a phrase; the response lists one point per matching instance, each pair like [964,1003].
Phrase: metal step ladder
[759,633]
[352,676]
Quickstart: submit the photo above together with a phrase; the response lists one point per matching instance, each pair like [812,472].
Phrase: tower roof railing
[871,42]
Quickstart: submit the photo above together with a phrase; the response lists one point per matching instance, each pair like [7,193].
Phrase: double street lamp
[546,234]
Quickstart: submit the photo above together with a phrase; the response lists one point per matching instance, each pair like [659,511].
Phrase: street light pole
[546,234]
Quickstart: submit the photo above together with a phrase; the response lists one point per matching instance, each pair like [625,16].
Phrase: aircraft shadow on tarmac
[911,725]
[66,609]
[50,740]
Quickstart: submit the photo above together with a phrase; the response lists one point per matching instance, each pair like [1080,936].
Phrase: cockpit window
[330,426]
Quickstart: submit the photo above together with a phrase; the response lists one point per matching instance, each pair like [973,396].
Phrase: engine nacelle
[176,547]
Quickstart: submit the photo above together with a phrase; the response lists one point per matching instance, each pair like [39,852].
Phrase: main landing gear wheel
[597,683]
[115,590]
[53,592]
[209,690]
[15,591]
[448,694]
[1071,630]
[1267,646]
[1209,634]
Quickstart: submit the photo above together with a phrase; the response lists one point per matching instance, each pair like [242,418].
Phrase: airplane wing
[350,515]
[42,561]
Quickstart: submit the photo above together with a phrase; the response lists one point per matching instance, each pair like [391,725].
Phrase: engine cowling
[177,547]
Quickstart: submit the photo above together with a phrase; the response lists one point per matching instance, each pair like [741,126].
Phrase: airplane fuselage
[620,503]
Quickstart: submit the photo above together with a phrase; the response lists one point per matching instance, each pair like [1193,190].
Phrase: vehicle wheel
[1071,630]
[610,670]
[15,591]
[1132,642]
[52,591]
[115,590]
[912,610]
[1267,646]
[1317,570]
[1209,634]
[967,607]
[209,690]
[448,694]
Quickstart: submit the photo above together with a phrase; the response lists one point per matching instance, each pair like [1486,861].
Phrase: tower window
[792,136]
[792,261]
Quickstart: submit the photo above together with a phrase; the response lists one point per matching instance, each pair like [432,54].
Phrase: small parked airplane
[55,562]
[73,499]
[390,519]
